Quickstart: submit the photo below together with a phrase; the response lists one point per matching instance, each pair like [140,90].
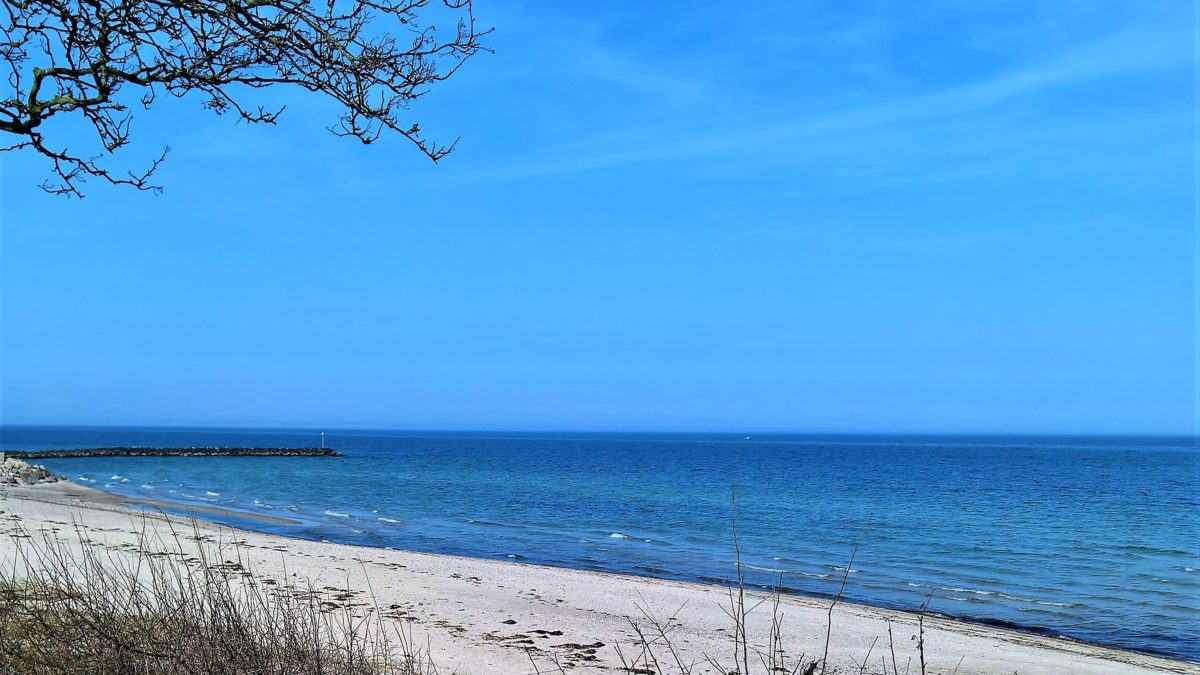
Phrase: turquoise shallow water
[1093,538]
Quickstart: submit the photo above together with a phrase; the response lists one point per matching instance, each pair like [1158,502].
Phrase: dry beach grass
[166,607]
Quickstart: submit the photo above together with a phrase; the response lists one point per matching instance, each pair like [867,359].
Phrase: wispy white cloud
[596,61]
[940,239]
[1121,54]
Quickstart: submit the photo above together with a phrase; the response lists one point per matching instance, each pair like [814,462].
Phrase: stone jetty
[137,451]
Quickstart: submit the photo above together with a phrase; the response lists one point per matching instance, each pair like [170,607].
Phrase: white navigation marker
[322,440]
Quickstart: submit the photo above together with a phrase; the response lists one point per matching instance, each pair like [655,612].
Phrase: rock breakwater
[137,451]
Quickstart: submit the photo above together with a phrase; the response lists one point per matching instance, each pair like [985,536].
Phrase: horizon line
[513,430]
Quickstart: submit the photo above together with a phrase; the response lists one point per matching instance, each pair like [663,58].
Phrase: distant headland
[138,451]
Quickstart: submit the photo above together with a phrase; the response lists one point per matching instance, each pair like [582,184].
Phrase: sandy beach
[491,617]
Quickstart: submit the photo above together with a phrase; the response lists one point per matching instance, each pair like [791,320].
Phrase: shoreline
[184,509]
[591,607]
[188,510]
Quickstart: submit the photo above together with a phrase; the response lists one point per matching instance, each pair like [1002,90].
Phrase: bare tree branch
[78,57]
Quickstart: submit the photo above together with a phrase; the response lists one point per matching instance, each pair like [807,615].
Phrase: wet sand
[71,493]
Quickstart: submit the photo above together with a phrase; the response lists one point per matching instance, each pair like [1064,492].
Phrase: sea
[1091,538]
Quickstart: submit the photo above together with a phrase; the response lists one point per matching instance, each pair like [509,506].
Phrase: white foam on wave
[968,590]
[117,476]
[148,486]
[262,505]
[618,535]
[210,493]
[766,569]
[1018,598]
[90,480]
[387,520]
[335,514]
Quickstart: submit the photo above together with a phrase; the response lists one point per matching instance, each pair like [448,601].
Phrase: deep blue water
[1093,538]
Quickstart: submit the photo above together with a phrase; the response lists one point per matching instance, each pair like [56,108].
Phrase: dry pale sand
[484,616]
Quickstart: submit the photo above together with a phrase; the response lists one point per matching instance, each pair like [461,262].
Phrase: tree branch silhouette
[82,57]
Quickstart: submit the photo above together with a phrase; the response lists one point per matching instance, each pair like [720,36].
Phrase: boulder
[16,472]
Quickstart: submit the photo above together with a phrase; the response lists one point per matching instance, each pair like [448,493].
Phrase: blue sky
[827,216]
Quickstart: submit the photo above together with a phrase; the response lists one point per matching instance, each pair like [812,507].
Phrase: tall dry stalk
[182,605]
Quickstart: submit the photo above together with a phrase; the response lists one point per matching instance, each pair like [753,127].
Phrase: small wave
[515,556]
[766,569]
[335,514]
[618,535]
[262,505]
[210,493]
[814,575]
[387,520]
[842,569]
[117,476]
[964,590]
[1047,603]
[148,486]
[90,480]
[355,530]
